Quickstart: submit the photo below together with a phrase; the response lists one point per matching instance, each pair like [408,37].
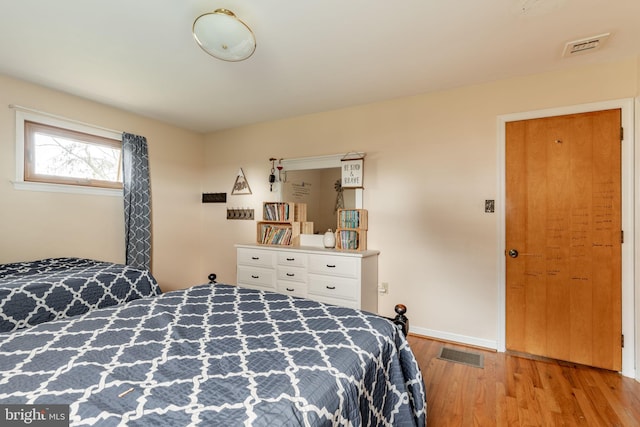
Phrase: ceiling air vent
[579,47]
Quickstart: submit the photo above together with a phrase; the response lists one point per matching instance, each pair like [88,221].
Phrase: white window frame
[51,120]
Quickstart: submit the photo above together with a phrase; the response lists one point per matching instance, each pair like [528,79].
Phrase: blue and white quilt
[39,291]
[217,355]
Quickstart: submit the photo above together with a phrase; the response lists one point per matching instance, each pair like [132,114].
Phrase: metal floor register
[472,359]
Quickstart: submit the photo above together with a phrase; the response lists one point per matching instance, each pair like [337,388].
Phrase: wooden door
[563,217]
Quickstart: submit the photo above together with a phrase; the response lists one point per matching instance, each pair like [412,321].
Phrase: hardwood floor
[512,390]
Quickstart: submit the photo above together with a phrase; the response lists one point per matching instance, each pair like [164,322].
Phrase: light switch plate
[489,206]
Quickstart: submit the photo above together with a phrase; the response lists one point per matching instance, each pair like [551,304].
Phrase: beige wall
[37,224]
[430,164]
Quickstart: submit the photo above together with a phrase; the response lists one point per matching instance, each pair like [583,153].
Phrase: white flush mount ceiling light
[222,35]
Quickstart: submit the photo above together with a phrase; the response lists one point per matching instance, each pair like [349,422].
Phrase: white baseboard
[462,339]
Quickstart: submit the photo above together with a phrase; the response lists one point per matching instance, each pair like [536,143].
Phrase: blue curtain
[137,200]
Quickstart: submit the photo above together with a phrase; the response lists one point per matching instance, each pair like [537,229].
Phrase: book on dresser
[351,231]
[282,223]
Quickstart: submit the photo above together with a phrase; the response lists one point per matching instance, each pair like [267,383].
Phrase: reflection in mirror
[312,180]
[320,189]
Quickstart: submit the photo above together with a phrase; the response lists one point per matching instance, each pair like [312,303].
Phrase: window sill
[61,188]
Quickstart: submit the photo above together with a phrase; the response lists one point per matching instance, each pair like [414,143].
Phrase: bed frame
[401,321]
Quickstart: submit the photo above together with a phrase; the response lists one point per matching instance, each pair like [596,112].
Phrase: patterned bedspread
[39,291]
[217,355]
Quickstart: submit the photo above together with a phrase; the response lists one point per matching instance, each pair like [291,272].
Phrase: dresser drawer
[292,259]
[295,274]
[296,289]
[257,276]
[334,265]
[256,257]
[334,287]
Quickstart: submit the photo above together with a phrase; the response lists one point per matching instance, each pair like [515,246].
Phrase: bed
[217,355]
[39,291]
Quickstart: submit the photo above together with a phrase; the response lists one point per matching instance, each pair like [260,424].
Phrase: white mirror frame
[319,162]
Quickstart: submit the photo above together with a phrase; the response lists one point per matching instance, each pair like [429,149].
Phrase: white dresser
[348,279]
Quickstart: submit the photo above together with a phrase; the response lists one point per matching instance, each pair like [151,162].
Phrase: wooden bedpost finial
[401,320]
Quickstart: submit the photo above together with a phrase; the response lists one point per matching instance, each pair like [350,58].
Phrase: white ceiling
[312,56]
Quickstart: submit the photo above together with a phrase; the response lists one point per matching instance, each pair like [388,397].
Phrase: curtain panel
[137,200]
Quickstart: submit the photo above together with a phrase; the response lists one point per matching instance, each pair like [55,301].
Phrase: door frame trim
[628,217]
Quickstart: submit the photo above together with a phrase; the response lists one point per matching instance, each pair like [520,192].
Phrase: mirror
[313,180]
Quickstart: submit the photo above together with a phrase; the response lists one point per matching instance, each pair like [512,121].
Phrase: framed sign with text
[352,173]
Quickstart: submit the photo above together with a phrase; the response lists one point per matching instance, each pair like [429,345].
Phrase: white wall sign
[352,173]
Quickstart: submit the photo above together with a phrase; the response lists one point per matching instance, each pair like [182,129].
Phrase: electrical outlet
[383,288]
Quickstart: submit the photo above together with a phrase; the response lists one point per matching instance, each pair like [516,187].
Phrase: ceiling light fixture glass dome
[222,35]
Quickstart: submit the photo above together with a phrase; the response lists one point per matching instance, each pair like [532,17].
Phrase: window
[62,156]
[55,154]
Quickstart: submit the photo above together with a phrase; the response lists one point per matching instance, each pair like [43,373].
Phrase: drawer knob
[255,277]
[290,274]
[255,258]
[290,289]
[291,259]
[331,265]
[331,287]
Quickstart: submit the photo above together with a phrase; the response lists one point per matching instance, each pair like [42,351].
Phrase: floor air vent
[465,357]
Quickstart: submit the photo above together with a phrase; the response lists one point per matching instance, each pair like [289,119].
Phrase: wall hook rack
[240,213]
